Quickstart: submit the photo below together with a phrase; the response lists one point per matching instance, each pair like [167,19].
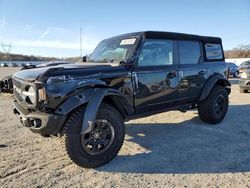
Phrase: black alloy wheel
[100,138]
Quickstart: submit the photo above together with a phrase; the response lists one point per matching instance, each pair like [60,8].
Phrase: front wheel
[214,108]
[101,144]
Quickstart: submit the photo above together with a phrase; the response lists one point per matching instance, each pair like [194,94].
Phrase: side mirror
[84,58]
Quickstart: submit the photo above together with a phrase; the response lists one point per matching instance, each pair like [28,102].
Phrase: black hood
[34,73]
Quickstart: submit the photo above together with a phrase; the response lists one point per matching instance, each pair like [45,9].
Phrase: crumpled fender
[93,98]
[211,82]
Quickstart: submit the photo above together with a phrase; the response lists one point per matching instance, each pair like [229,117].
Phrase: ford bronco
[127,76]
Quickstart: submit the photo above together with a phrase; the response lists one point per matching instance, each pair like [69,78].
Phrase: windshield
[115,49]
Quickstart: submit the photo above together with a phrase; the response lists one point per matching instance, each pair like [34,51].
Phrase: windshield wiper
[106,60]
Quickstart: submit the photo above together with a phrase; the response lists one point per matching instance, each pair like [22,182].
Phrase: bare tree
[242,51]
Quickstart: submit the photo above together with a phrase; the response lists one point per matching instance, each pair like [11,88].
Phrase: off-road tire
[73,144]
[206,108]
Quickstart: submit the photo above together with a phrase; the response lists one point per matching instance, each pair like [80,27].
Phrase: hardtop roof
[172,35]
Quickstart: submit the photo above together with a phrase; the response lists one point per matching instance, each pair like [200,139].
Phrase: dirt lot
[171,149]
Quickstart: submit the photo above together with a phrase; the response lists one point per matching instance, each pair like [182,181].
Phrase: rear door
[156,76]
[193,73]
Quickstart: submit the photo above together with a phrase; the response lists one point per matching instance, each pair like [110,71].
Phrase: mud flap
[91,110]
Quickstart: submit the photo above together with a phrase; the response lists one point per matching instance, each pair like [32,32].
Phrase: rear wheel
[214,108]
[101,144]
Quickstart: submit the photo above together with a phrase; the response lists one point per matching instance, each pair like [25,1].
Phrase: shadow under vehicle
[186,147]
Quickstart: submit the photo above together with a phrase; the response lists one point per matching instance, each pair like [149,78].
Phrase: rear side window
[189,52]
[213,51]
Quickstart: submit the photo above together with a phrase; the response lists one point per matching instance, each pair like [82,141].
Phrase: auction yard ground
[171,149]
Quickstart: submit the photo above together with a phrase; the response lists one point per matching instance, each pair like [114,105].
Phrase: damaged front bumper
[39,122]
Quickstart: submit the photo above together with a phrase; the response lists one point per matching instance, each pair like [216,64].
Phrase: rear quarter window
[213,51]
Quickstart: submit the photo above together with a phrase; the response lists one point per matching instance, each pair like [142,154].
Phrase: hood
[34,73]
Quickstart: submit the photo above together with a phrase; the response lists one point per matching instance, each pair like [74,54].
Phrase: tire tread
[205,107]
[78,155]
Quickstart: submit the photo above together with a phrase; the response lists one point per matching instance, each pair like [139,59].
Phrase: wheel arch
[118,102]
[216,79]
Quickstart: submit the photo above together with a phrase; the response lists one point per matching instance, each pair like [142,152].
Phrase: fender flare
[216,79]
[93,98]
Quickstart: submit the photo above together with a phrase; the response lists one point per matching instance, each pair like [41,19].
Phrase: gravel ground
[171,149]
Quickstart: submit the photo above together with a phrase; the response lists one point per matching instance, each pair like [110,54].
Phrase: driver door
[156,76]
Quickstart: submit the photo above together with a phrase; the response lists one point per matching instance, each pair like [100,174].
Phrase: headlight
[42,94]
[243,75]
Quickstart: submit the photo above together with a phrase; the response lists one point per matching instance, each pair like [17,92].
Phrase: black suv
[127,76]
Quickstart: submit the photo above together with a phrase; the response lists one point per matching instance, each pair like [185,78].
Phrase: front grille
[17,83]
[19,88]
[17,95]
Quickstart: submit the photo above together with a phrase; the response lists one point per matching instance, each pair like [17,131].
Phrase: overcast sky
[51,27]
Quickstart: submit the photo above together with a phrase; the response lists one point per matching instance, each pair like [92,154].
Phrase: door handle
[202,72]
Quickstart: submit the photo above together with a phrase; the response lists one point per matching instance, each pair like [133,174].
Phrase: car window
[189,52]
[213,51]
[156,52]
[114,49]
